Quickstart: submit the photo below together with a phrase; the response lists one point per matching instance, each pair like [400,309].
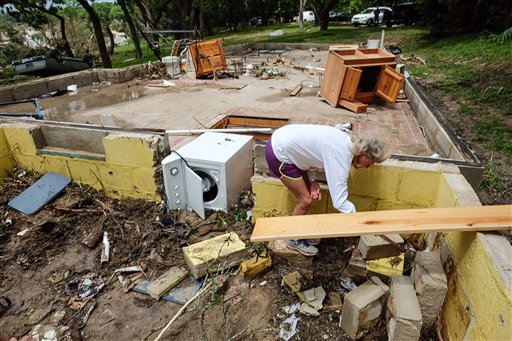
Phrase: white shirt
[309,146]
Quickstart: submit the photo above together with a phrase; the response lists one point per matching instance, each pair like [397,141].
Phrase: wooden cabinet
[208,57]
[354,77]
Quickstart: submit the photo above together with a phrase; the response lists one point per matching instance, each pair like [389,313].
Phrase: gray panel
[194,192]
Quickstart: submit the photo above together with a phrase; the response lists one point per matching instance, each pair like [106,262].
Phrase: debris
[40,193]
[87,315]
[44,332]
[137,268]
[8,222]
[263,283]
[255,266]
[84,289]
[333,302]
[94,235]
[5,303]
[347,283]
[23,232]
[72,89]
[293,281]
[179,294]
[387,266]
[276,33]
[288,328]
[105,252]
[314,299]
[296,90]
[290,309]
[166,282]
[306,309]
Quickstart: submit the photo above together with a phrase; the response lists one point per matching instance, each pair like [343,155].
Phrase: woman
[295,149]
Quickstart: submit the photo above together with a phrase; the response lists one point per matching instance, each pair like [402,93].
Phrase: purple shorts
[279,169]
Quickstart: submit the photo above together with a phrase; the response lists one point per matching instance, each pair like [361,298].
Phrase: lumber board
[478,218]
[354,106]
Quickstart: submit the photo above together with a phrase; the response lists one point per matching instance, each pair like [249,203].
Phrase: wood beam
[479,218]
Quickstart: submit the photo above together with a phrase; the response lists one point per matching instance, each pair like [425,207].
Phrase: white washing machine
[208,173]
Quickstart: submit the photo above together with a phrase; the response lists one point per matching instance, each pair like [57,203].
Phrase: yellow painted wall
[128,169]
[6,159]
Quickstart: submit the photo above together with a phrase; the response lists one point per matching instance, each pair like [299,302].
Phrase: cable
[173,151]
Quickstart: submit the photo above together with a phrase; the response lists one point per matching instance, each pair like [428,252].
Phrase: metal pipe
[233,130]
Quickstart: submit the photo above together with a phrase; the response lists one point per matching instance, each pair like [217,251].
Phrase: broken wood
[479,218]
[296,90]
[354,106]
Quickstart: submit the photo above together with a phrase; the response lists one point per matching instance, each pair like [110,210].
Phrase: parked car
[407,13]
[367,17]
[307,16]
[339,16]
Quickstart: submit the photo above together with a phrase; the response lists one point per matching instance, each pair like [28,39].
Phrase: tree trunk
[110,49]
[202,26]
[98,32]
[133,30]
[65,43]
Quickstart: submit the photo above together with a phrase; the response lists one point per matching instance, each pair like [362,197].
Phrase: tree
[98,32]
[322,9]
[131,26]
[31,12]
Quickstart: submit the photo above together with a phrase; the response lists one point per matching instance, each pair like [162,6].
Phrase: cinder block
[281,254]
[60,82]
[385,267]
[375,247]
[403,314]
[83,78]
[130,149]
[430,284]
[214,254]
[166,282]
[356,265]
[363,307]
[23,138]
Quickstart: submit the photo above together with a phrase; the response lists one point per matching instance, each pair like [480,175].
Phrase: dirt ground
[40,267]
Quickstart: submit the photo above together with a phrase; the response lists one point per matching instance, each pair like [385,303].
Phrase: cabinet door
[389,84]
[350,83]
[332,78]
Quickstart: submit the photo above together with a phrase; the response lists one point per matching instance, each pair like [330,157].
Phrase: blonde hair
[371,147]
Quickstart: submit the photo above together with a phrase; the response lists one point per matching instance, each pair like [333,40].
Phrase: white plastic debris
[290,309]
[288,328]
[105,253]
[276,33]
[347,283]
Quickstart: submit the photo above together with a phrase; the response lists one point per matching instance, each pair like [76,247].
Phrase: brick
[363,307]
[281,254]
[214,254]
[430,284]
[375,247]
[166,282]
[403,313]
[356,265]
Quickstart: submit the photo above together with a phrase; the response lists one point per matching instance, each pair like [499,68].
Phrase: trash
[290,309]
[179,294]
[40,193]
[5,303]
[72,89]
[105,253]
[333,302]
[166,282]
[288,328]
[313,301]
[347,283]
[86,316]
[276,33]
[22,232]
[308,310]
[169,83]
[44,332]
[293,281]
[8,222]
[263,283]
[84,289]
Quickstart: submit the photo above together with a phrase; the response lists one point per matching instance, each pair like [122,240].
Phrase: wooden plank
[296,90]
[389,84]
[479,218]
[354,106]
[365,97]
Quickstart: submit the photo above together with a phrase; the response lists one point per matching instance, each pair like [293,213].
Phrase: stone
[375,247]
[356,265]
[431,285]
[281,254]
[362,308]
[215,254]
[403,313]
[166,282]
[315,297]
[333,302]
[251,268]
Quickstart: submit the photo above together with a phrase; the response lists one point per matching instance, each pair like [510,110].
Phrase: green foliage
[492,179]
[503,37]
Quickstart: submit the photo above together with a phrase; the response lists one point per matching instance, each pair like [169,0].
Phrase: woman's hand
[314,190]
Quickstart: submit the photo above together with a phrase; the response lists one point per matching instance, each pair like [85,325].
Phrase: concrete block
[430,284]
[356,265]
[260,163]
[60,82]
[82,78]
[30,90]
[7,94]
[385,267]
[23,138]
[403,313]
[131,149]
[214,254]
[375,247]
[281,254]
[362,308]
[166,282]
[418,187]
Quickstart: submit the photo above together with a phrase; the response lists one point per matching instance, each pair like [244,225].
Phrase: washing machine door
[194,191]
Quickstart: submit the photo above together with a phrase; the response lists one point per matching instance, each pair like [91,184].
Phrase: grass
[473,70]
